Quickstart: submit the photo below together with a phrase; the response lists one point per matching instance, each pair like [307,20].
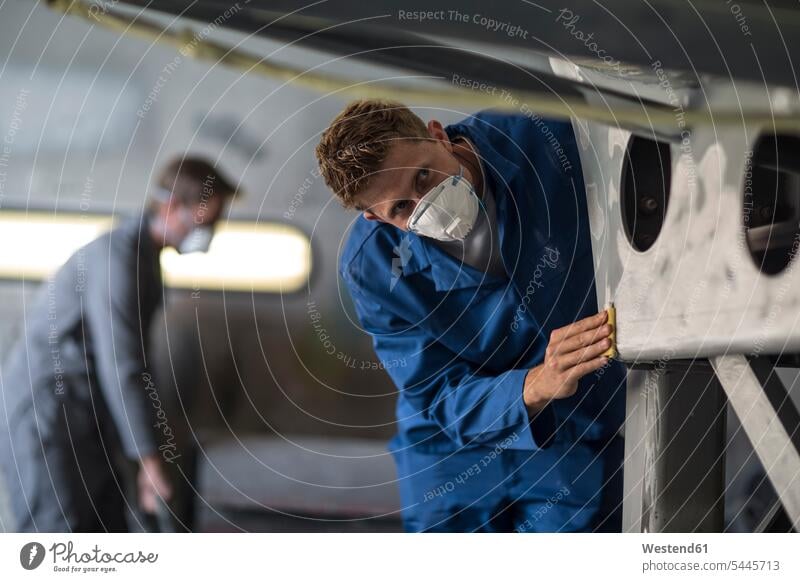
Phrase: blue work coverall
[458,343]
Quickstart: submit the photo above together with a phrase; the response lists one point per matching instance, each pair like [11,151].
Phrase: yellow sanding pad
[612,321]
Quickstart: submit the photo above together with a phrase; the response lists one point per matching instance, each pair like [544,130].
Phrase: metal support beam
[770,420]
[674,449]
[705,39]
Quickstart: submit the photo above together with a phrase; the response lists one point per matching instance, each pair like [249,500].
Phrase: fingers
[163,490]
[576,350]
[584,339]
[147,500]
[152,484]
[582,325]
[157,479]
[590,352]
[581,370]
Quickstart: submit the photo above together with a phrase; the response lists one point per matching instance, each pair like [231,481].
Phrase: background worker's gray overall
[74,393]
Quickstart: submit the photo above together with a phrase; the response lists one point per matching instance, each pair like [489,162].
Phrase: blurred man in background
[77,391]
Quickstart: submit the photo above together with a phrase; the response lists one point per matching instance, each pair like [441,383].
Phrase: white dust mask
[448,211]
[197,241]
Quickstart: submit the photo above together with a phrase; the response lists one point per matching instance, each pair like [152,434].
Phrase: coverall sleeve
[469,406]
[111,310]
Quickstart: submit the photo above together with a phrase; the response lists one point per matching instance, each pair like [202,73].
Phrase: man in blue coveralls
[471,267]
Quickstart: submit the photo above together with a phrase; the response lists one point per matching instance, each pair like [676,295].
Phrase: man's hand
[574,351]
[152,483]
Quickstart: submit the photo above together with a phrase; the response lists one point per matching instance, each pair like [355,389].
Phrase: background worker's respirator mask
[198,239]
[448,212]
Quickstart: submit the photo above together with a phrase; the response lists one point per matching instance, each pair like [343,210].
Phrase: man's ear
[369,215]
[437,132]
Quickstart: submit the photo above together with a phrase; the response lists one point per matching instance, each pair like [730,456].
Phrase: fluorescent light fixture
[244,256]
[34,244]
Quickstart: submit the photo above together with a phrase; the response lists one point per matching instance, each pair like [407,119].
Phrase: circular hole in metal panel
[646,176]
[771,203]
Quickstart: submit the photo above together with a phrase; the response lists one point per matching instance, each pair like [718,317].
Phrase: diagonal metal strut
[770,421]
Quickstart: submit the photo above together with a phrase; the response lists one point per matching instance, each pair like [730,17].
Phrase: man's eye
[399,207]
[422,177]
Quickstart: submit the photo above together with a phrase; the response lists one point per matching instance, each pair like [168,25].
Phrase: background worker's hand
[573,351]
[152,482]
